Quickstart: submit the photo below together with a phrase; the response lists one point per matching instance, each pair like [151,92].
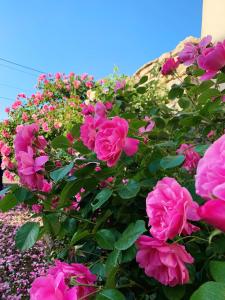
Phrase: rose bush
[131,195]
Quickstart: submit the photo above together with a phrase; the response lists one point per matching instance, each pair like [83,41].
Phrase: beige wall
[213,19]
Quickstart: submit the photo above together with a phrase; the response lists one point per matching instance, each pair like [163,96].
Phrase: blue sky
[87,36]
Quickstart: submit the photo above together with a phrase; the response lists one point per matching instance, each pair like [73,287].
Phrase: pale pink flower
[148,128]
[191,157]
[45,127]
[169,207]
[211,133]
[5,150]
[210,174]
[89,84]
[76,84]
[25,117]
[162,261]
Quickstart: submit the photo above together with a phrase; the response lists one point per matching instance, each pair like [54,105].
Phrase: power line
[14,87]
[22,66]
[11,68]
[6,98]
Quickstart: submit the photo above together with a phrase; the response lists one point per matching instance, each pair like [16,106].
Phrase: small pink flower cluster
[56,284]
[107,137]
[191,157]
[170,208]
[31,157]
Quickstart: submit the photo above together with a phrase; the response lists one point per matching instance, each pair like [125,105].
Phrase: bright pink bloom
[191,157]
[108,105]
[119,85]
[210,174]
[162,261]
[112,139]
[81,273]
[37,208]
[7,110]
[169,207]
[57,76]
[84,76]
[46,186]
[212,60]
[169,66]
[213,213]
[190,53]
[70,137]
[89,84]
[51,288]
[211,133]
[88,132]
[87,109]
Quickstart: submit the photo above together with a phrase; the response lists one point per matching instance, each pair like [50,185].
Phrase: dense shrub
[133,195]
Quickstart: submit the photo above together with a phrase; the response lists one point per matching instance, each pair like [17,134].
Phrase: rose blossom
[162,261]
[191,157]
[51,288]
[169,66]
[212,60]
[210,174]
[169,207]
[111,140]
[190,53]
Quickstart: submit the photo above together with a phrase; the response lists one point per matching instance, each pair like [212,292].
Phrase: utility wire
[6,98]
[22,66]
[11,68]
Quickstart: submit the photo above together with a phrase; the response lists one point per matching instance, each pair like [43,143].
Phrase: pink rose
[190,53]
[37,208]
[210,174]
[169,66]
[169,207]
[112,139]
[191,157]
[162,261]
[76,84]
[5,150]
[212,60]
[213,213]
[51,288]
[88,132]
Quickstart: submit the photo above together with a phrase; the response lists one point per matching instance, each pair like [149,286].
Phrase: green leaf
[5,190]
[27,235]
[60,142]
[110,294]
[52,224]
[209,291]
[113,260]
[154,166]
[73,187]
[143,79]
[130,235]
[80,147]
[174,293]
[184,102]
[129,254]
[169,162]
[175,92]
[8,202]
[101,198]
[99,270]
[22,194]
[201,149]
[141,90]
[79,235]
[217,270]
[105,239]
[59,174]
[75,131]
[208,95]
[220,78]
[129,190]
